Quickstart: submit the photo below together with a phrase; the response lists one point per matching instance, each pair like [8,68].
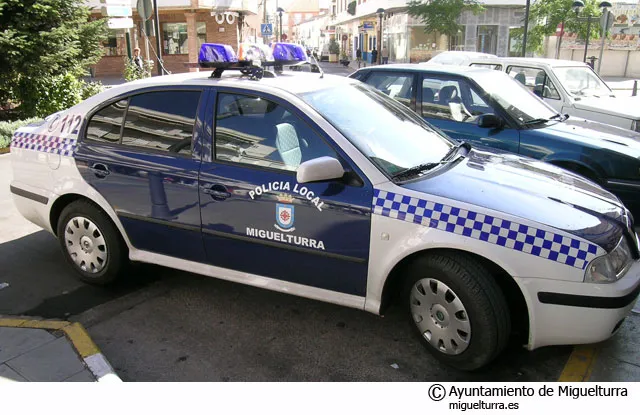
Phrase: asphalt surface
[39,281]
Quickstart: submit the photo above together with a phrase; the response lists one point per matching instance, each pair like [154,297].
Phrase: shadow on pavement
[42,284]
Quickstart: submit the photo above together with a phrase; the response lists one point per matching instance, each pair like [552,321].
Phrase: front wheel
[457,309]
[91,243]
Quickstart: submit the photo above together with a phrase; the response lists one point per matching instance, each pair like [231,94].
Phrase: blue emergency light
[216,55]
[252,59]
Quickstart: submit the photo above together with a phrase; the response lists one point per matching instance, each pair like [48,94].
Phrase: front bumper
[562,312]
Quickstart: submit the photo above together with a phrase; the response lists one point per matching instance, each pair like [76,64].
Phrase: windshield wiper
[543,120]
[448,158]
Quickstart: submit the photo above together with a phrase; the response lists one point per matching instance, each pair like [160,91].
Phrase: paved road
[40,282]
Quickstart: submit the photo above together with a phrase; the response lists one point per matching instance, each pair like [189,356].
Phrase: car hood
[530,189]
[627,107]
[598,134]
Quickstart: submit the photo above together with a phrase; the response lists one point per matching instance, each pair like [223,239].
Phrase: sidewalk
[50,351]
[621,86]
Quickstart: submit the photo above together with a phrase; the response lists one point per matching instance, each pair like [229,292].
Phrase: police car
[323,187]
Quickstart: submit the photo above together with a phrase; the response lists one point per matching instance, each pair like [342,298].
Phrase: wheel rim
[440,316]
[85,244]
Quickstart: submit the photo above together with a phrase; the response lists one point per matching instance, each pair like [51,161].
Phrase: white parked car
[571,87]
[459,58]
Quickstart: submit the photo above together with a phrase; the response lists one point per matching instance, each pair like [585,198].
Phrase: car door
[454,105]
[258,219]
[138,153]
[537,81]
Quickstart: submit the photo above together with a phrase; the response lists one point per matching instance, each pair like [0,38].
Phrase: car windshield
[581,81]
[515,98]
[388,133]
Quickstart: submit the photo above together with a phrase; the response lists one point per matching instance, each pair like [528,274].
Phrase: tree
[546,15]
[42,40]
[441,16]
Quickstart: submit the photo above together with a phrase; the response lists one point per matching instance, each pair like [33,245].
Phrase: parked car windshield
[389,134]
[581,81]
[515,98]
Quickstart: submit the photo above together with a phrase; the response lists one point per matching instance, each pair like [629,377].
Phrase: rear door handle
[100,170]
[216,191]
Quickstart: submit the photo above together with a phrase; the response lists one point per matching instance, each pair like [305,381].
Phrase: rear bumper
[562,312]
[32,203]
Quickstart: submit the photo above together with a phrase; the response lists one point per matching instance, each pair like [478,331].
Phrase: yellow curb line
[76,334]
[580,364]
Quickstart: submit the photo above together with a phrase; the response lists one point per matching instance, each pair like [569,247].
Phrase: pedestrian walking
[359,57]
[374,56]
[385,55]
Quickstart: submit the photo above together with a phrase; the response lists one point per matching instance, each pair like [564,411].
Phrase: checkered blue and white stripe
[44,143]
[487,228]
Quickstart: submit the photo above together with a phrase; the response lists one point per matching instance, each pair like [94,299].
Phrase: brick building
[184,26]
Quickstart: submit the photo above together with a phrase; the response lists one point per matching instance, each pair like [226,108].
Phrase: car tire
[91,243]
[457,309]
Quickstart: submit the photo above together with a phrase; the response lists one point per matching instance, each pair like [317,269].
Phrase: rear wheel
[91,243]
[457,309]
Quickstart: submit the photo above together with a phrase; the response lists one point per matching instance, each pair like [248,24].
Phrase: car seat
[448,94]
[521,77]
[288,145]
[427,95]
[538,89]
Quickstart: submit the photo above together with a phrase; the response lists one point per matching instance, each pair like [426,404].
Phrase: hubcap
[440,316]
[85,244]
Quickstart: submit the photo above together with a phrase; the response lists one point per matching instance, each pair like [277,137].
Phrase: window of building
[457,42]
[487,39]
[105,124]
[255,131]
[110,45]
[161,120]
[515,42]
[175,37]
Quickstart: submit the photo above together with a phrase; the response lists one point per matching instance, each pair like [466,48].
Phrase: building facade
[184,26]
[357,26]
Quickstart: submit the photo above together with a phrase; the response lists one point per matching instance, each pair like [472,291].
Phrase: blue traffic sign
[266,29]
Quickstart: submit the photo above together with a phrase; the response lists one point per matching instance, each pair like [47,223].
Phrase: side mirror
[319,169]
[490,121]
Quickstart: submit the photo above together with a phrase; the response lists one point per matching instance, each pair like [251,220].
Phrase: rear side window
[161,120]
[396,85]
[105,124]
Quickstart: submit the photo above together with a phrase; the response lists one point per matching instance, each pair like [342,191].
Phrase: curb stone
[80,340]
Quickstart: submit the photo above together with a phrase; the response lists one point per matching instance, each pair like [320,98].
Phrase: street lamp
[605,11]
[380,13]
[280,10]
[577,6]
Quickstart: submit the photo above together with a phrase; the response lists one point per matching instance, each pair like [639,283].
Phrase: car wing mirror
[319,169]
[490,121]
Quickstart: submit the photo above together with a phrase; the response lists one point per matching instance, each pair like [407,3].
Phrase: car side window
[161,120]
[452,99]
[536,80]
[105,124]
[256,131]
[397,86]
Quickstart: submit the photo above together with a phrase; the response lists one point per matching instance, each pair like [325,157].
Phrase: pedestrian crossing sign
[266,29]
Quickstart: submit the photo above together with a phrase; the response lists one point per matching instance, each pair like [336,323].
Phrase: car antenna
[319,67]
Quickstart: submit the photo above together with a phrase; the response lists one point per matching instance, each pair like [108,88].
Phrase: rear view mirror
[319,169]
[490,121]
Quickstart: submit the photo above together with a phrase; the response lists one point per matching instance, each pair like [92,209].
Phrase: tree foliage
[546,15]
[441,16]
[43,41]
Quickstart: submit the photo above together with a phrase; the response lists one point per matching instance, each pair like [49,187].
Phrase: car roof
[532,61]
[465,53]
[412,67]
[295,82]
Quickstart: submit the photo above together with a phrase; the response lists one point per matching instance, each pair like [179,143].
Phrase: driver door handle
[216,191]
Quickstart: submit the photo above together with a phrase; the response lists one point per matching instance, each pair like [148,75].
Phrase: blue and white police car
[323,187]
